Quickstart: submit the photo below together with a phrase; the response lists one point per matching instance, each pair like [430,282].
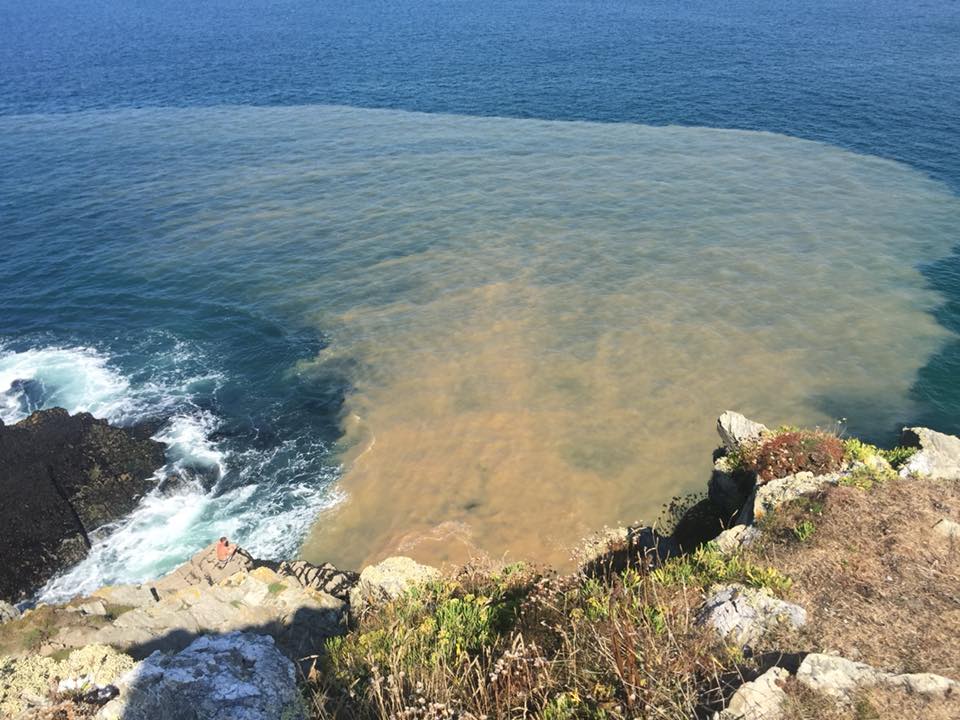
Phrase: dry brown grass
[878,584]
[873,704]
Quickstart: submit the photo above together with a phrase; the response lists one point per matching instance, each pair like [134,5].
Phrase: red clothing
[224,551]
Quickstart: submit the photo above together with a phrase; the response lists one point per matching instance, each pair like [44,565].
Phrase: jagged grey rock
[325,578]
[745,615]
[779,491]
[841,678]
[733,539]
[61,477]
[938,457]
[761,699]
[948,529]
[735,430]
[389,579]
[238,676]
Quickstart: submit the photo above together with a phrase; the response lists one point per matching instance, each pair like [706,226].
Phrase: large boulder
[61,477]
[736,430]
[734,539]
[389,580]
[729,486]
[744,615]
[237,676]
[937,458]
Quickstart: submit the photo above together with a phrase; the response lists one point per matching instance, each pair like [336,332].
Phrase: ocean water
[448,278]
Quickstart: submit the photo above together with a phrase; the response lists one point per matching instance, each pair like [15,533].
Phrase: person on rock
[225,552]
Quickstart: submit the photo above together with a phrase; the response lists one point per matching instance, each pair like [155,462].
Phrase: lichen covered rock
[238,676]
[744,615]
[28,680]
[390,579]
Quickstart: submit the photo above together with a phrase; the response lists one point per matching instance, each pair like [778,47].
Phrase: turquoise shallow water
[516,330]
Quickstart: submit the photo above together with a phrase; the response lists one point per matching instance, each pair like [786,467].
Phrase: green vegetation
[276,588]
[515,643]
[707,566]
[858,450]
[866,477]
[898,456]
[803,530]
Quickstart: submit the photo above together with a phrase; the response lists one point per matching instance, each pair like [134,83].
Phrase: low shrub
[855,449]
[797,451]
[708,566]
[865,478]
[520,645]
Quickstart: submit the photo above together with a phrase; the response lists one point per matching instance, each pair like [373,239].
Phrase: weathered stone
[130,595]
[948,529]
[938,457]
[8,612]
[745,615]
[926,684]
[325,578]
[389,579]
[835,676]
[736,430]
[779,491]
[203,568]
[842,678]
[61,477]
[90,607]
[604,552]
[299,618]
[238,676]
[734,539]
[761,699]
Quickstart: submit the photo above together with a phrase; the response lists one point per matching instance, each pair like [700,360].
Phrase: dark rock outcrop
[61,477]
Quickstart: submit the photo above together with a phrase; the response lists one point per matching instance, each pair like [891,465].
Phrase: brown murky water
[570,306]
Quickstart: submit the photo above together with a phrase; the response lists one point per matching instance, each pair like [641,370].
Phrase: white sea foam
[188,445]
[76,378]
[276,493]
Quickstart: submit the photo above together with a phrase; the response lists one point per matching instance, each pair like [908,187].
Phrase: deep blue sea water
[116,296]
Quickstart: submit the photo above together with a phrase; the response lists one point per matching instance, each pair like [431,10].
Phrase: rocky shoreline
[63,476]
[249,636]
